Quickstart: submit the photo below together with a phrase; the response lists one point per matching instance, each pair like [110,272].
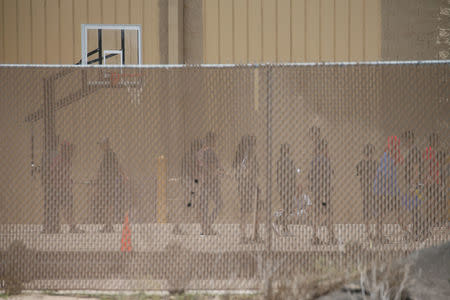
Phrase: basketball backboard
[116,44]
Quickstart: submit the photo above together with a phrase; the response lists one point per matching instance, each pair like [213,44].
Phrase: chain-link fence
[218,177]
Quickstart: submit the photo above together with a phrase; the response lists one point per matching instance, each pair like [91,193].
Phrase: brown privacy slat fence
[154,178]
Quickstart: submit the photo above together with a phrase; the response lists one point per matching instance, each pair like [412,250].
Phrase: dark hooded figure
[320,185]
[110,187]
[210,173]
[366,170]
[61,171]
[190,174]
[412,199]
[434,179]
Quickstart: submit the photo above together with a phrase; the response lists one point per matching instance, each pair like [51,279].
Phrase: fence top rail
[171,66]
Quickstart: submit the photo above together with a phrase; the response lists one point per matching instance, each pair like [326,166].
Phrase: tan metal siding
[327,36]
[211,31]
[2,27]
[342,30]
[373,30]
[80,16]
[24,31]
[284,31]
[291,30]
[254,31]
[67,26]
[269,30]
[298,28]
[240,29]
[48,31]
[38,32]
[356,30]
[226,41]
[10,32]
[52,37]
[313,30]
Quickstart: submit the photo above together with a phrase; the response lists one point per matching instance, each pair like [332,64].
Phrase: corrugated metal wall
[241,31]
[234,31]
[49,31]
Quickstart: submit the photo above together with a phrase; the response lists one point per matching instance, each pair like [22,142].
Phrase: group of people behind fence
[422,194]
[110,188]
[404,181]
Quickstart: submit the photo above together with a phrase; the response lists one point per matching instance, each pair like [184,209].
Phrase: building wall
[233,31]
[49,31]
[243,31]
[410,29]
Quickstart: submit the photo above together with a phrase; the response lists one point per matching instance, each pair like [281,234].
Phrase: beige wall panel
[298,30]
[150,33]
[80,16]
[67,31]
[284,30]
[269,27]
[240,31]
[52,32]
[123,12]
[357,30]
[110,38]
[24,31]
[312,30]
[38,31]
[123,17]
[95,16]
[254,31]
[373,30]
[327,30]
[342,30]
[11,39]
[108,11]
[136,13]
[226,31]
[211,31]
[2,28]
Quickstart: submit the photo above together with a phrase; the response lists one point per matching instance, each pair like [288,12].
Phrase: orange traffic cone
[126,236]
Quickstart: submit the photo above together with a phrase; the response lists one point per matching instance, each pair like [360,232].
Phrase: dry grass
[376,283]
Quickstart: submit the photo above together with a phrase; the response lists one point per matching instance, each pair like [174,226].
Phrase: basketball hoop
[132,81]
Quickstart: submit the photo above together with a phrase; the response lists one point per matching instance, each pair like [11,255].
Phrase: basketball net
[132,82]
[134,90]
